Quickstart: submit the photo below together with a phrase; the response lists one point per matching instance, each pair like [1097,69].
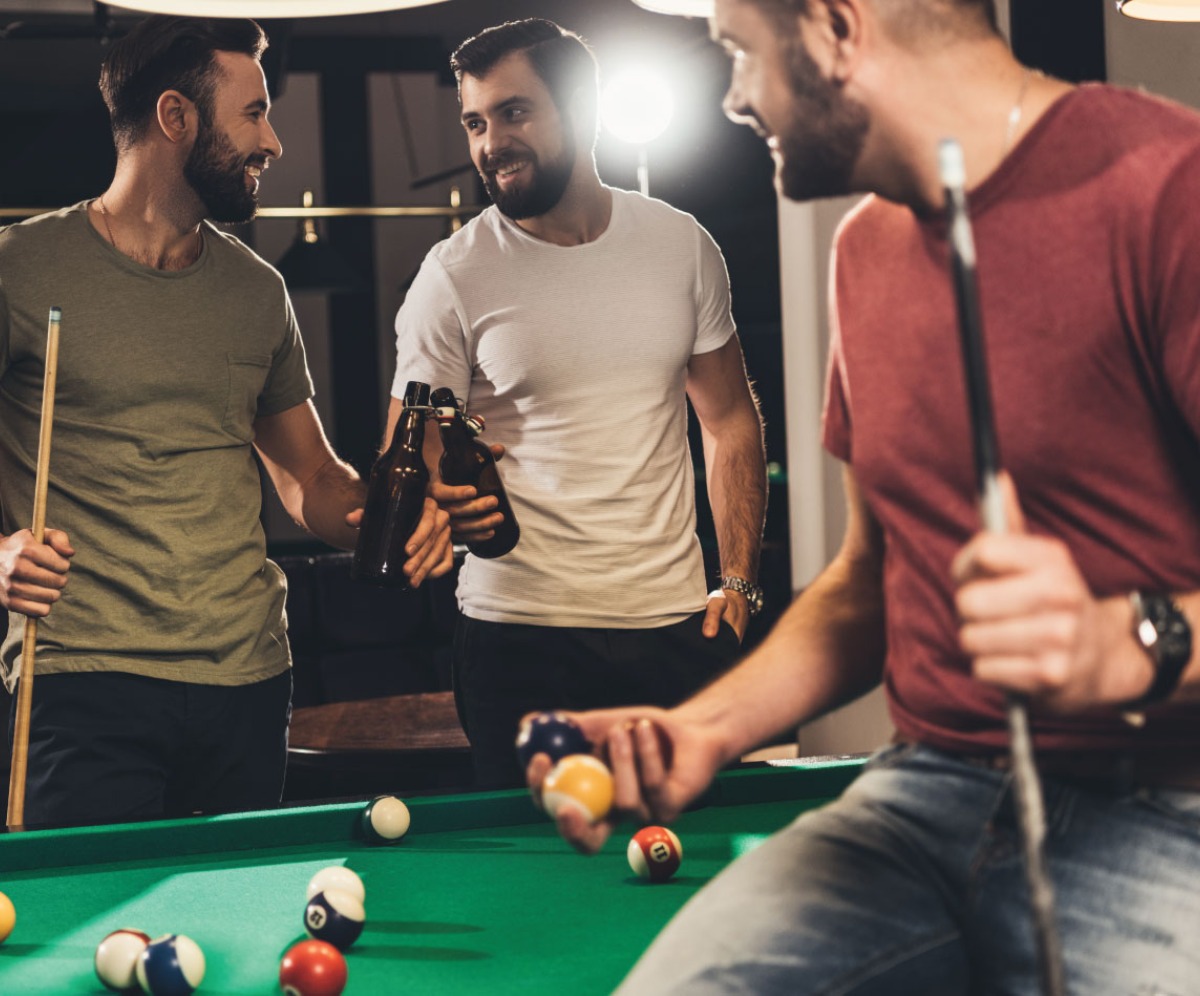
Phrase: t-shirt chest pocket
[247,378]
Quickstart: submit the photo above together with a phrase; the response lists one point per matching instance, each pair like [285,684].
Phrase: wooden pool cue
[1031,815]
[20,745]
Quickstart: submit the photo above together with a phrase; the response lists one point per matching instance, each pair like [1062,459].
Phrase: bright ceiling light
[690,8]
[636,106]
[268,9]
[1161,10]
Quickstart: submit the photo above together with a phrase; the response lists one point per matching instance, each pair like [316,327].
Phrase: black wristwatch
[1162,629]
[753,593]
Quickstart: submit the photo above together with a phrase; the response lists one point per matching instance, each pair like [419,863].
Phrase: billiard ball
[334,916]
[8,917]
[312,968]
[172,965]
[337,877]
[385,820]
[550,733]
[117,957]
[580,781]
[655,853]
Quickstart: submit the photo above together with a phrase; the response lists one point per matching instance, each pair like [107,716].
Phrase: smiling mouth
[509,170]
[253,171]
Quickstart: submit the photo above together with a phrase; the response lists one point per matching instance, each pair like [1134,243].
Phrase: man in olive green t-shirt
[163,680]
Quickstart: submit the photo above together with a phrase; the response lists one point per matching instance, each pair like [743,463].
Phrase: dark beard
[216,173]
[825,136]
[544,190]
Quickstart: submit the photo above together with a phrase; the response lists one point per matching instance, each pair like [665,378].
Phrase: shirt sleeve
[5,322]
[289,383]
[431,334]
[1175,292]
[714,319]
[835,418]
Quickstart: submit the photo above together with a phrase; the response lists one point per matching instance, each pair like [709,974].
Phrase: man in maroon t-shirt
[1082,201]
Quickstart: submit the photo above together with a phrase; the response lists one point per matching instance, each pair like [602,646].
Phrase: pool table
[480,897]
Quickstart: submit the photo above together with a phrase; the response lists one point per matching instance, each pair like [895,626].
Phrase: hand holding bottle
[470,488]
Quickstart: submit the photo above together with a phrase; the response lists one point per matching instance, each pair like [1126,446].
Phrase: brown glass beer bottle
[467,459]
[395,497]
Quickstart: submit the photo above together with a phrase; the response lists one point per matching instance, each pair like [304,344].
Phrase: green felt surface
[480,897]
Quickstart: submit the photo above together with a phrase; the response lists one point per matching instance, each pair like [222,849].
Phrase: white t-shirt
[577,358]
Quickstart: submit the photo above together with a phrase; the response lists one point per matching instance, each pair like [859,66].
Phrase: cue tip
[56,314]
[951,166]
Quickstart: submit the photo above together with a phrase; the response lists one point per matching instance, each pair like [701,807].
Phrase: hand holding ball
[552,734]
[579,781]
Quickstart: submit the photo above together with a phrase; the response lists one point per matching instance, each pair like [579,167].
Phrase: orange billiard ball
[8,917]
[581,781]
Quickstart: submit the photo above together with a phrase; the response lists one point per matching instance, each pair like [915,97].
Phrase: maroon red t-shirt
[1088,241]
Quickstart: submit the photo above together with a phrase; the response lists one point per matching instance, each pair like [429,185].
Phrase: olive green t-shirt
[161,376]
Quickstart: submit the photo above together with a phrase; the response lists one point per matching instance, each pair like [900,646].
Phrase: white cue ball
[385,820]
[337,877]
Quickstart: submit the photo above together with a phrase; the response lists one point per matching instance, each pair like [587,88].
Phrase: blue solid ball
[553,734]
[334,916]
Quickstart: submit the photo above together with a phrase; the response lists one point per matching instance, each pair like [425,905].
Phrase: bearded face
[523,184]
[822,137]
[224,179]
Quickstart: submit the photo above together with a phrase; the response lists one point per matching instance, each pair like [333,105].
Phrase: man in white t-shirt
[576,319]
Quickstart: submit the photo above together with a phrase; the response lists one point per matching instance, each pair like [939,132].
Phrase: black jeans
[108,747]
[504,670]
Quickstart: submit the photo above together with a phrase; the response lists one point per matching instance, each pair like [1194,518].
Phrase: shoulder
[43,229]
[871,220]
[643,210]
[231,253]
[480,236]
[1110,125]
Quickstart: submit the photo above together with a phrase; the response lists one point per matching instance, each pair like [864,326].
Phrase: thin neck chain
[113,242]
[104,218]
[1014,115]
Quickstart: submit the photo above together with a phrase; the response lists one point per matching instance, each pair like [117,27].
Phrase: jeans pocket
[891,755]
[1179,805]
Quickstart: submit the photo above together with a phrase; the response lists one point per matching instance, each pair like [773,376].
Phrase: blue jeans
[912,883]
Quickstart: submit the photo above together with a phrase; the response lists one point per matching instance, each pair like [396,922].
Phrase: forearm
[825,651]
[737,492]
[321,504]
[1129,672]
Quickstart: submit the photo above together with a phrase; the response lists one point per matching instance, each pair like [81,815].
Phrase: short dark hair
[561,58]
[169,53]
[922,14]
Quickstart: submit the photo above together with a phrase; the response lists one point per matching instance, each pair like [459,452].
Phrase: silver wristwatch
[753,593]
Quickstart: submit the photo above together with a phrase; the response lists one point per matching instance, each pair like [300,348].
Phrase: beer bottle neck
[410,430]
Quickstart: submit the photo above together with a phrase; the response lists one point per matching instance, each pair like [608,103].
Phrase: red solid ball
[312,968]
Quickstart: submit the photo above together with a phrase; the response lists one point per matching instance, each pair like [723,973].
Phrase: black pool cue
[1031,814]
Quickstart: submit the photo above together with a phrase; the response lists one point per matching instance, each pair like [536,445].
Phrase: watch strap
[754,593]
[1162,629]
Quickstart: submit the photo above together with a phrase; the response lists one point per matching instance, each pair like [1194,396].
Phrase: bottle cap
[443,397]
[416,394]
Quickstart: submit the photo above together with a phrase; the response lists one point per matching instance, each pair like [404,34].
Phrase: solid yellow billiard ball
[8,917]
[582,781]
